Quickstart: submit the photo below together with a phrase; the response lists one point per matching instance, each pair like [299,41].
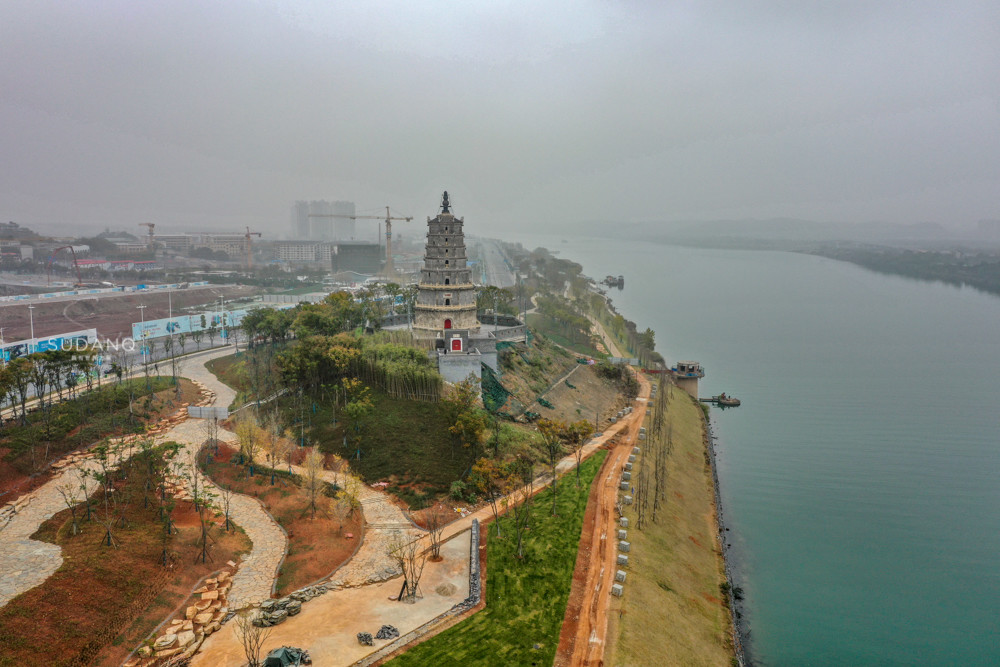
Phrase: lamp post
[31,316]
[142,331]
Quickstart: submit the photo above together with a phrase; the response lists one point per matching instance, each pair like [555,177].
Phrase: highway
[495,269]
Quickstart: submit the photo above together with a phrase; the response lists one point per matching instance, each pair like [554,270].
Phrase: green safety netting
[494,394]
[544,403]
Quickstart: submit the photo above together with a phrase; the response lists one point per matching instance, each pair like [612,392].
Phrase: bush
[457,491]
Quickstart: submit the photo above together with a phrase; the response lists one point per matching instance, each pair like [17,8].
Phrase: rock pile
[366,639]
[387,632]
[273,612]
[205,614]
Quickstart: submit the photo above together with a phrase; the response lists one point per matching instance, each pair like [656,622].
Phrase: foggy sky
[212,115]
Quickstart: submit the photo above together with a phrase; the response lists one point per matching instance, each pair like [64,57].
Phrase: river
[861,476]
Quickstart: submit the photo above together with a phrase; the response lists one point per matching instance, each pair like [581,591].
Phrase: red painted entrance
[456,344]
[447,324]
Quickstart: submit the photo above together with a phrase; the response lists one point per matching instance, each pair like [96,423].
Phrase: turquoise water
[861,476]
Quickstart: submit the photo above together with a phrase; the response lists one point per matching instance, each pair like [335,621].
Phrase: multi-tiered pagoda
[446,298]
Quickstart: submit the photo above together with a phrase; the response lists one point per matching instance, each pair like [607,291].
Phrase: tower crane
[389,273]
[150,239]
[249,244]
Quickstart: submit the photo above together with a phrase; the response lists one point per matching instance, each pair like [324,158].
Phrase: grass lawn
[673,611]
[548,328]
[525,600]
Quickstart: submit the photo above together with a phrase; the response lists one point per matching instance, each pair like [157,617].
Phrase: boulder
[204,618]
[166,641]
[277,617]
[387,632]
[268,605]
[210,595]
[294,607]
[185,639]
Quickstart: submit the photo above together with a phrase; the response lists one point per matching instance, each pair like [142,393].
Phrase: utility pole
[31,317]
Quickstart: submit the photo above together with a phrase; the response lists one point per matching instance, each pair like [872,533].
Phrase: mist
[201,116]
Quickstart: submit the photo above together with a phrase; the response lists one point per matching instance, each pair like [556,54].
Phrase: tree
[521,502]
[251,636]
[68,493]
[435,527]
[277,447]
[467,419]
[553,432]
[494,480]
[312,480]
[411,560]
[576,435]
[248,434]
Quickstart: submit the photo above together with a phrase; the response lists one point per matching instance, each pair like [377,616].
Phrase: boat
[722,400]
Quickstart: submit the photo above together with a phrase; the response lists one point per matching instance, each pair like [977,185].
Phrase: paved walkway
[26,563]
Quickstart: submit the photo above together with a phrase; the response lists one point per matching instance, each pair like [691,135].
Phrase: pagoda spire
[445,204]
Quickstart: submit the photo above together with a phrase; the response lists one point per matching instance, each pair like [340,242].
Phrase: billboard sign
[66,341]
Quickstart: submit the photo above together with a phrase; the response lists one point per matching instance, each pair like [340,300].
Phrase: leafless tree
[521,503]
[411,560]
[68,493]
[435,527]
[251,637]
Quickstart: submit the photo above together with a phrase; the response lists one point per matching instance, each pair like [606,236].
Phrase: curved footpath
[26,563]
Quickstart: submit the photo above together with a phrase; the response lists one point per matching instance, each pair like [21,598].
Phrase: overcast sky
[210,115]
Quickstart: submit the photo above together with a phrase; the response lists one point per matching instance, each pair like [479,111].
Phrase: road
[495,268]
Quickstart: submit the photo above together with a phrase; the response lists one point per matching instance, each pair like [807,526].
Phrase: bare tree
[521,503]
[226,495]
[248,433]
[411,560]
[68,493]
[251,636]
[277,447]
[435,527]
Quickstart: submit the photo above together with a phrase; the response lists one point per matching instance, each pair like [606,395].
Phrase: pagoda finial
[445,204]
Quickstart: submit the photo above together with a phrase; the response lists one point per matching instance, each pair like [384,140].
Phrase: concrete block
[614,420]
[642,436]
[626,476]
[622,534]
[623,522]
[624,546]
[642,430]
[627,500]
[623,486]
[620,576]
[649,411]
[623,559]
[617,590]
[631,458]
[628,466]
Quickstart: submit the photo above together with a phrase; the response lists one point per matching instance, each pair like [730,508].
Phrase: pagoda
[446,297]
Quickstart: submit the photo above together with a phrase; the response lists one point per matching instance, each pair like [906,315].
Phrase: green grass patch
[554,331]
[402,440]
[525,599]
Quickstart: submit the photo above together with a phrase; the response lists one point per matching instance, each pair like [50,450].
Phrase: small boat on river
[722,400]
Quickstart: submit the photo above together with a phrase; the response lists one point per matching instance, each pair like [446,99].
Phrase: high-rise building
[343,226]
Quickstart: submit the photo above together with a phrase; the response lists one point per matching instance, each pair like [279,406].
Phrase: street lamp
[142,331]
[31,317]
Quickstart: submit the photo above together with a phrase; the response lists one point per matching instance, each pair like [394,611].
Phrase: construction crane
[389,273]
[150,239]
[249,241]
[48,268]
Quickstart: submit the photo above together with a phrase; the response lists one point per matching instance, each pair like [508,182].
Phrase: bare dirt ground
[112,316]
[585,625]
[589,397]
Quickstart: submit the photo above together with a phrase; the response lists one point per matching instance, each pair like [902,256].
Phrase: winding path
[26,563]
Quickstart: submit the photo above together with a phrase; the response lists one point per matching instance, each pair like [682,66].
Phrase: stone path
[26,563]
[384,523]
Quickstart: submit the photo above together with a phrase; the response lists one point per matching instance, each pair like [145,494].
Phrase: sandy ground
[328,625]
[586,627]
